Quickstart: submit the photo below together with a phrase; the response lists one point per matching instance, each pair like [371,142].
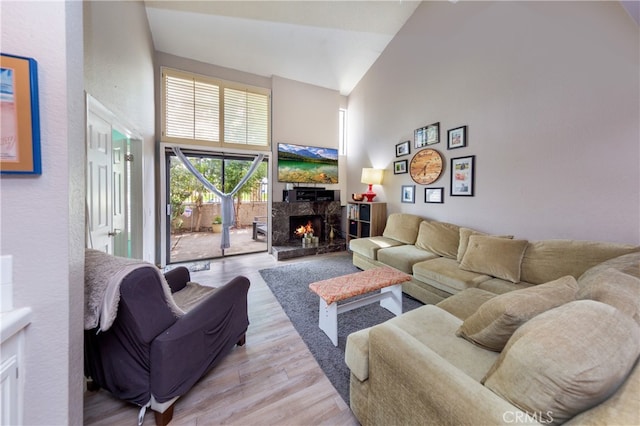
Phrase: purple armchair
[150,356]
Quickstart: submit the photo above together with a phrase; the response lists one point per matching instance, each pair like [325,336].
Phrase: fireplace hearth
[305,224]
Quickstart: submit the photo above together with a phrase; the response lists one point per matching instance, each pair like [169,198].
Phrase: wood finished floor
[272,380]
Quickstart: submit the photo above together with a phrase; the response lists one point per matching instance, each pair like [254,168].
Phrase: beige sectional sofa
[560,343]
[445,259]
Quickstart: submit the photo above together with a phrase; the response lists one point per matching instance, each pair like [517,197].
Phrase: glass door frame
[164,205]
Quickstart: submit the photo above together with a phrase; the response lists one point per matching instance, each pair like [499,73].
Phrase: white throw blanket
[103,274]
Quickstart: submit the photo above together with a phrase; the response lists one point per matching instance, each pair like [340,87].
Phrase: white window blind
[197,108]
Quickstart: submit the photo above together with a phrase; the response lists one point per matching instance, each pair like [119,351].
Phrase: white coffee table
[387,280]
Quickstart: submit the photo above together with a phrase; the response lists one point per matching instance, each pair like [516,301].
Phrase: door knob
[115,232]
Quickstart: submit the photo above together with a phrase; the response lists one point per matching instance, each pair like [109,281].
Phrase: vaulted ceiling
[330,44]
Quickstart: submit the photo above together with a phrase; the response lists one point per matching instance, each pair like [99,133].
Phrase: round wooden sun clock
[426,166]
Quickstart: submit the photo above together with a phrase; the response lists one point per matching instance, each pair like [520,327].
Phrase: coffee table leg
[328,320]
[393,303]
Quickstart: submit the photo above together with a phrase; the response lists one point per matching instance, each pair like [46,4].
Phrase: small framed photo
[457,138]
[433,133]
[408,193]
[400,167]
[20,130]
[433,195]
[462,176]
[403,148]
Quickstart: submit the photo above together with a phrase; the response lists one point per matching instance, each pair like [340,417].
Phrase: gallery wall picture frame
[427,135]
[408,194]
[457,137]
[403,148]
[434,195]
[20,127]
[400,167]
[463,171]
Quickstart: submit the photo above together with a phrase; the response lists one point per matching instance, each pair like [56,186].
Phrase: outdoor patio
[188,246]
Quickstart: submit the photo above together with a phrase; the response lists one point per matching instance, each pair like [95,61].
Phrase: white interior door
[119,228]
[99,183]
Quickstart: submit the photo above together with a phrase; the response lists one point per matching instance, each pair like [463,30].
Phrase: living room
[549,92]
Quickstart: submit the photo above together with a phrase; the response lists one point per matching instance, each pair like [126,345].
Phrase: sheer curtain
[226,200]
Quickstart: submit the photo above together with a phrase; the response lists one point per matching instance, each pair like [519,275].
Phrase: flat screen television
[307,164]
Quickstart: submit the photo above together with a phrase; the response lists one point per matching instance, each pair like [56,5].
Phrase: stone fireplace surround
[286,247]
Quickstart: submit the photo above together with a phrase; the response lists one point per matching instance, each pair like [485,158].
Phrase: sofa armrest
[177,278]
[197,341]
[408,382]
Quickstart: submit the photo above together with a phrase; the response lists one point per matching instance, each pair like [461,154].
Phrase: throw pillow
[498,257]
[614,288]
[465,233]
[566,360]
[493,323]
[439,238]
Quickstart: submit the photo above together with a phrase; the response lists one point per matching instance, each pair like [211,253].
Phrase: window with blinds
[213,112]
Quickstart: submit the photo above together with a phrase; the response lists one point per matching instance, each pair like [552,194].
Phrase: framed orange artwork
[20,122]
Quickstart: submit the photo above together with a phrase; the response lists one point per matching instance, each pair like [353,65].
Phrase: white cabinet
[12,347]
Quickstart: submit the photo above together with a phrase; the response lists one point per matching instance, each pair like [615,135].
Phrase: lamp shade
[372,176]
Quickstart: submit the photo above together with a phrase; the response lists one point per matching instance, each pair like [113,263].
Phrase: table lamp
[371,177]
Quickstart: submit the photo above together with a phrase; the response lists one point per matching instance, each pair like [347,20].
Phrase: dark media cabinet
[309,194]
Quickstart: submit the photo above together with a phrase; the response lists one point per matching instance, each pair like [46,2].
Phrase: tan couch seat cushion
[445,274]
[369,247]
[500,286]
[402,227]
[439,237]
[496,320]
[498,257]
[465,303]
[566,360]
[404,257]
[540,262]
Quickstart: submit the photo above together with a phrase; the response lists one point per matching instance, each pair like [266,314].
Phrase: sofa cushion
[465,303]
[614,288]
[369,247]
[435,328]
[499,257]
[547,260]
[627,263]
[445,274]
[404,257]
[465,233]
[500,286]
[402,227]
[439,237]
[356,354]
[566,360]
[496,320]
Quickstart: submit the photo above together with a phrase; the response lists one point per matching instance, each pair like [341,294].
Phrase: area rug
[290,285]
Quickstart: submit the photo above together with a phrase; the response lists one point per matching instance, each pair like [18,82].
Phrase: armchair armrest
[197,341]
[177,278]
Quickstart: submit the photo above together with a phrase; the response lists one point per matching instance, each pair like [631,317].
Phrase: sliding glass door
[194,214]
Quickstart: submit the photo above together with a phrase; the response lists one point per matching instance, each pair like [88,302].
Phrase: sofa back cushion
[566,360]
[465,233]
[402,227]
[495,321]
[439,238]
[498,257]
[614,288]
[547,260]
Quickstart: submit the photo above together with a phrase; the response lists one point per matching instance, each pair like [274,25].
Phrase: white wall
[304,114]
[551,95]
[42,226]
[119,73]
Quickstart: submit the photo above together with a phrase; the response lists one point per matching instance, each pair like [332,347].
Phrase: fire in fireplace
[308,224]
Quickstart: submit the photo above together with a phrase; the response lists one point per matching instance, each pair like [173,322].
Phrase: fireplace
[300,225]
